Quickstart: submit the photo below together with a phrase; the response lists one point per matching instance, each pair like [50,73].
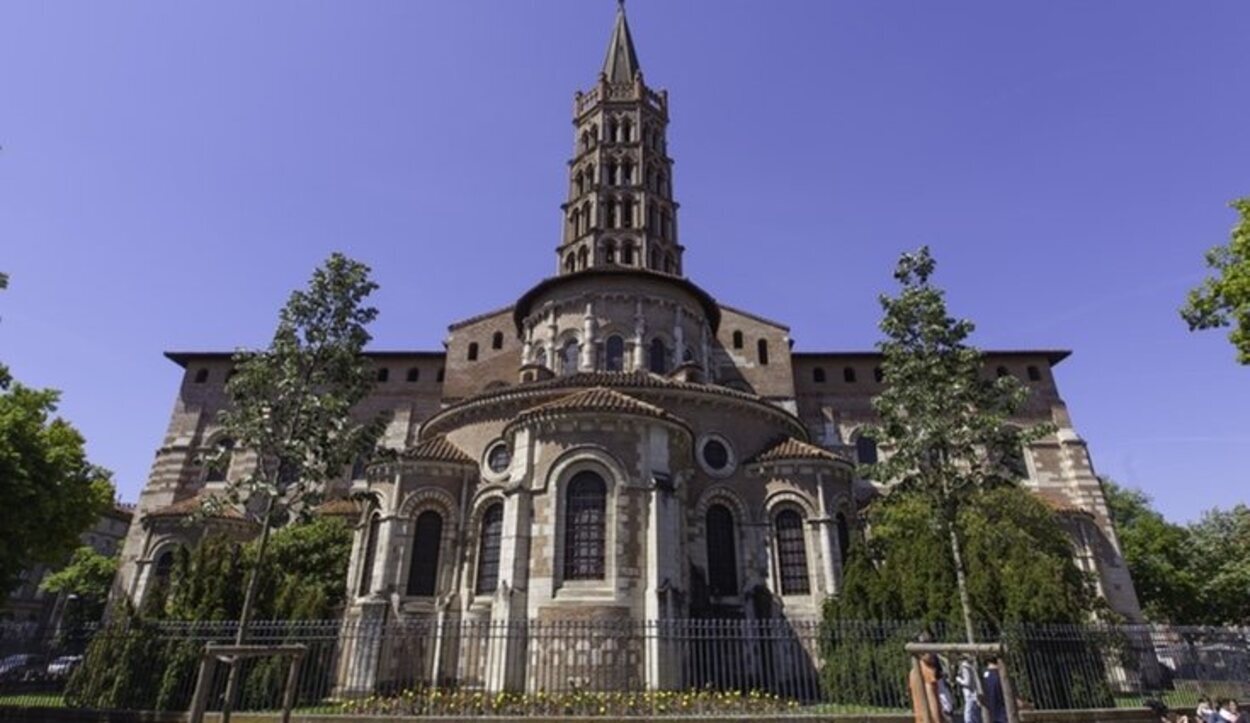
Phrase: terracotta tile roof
[790,448]
[437,449]
[339,507]
[639,380]
[597,399]
[190,506]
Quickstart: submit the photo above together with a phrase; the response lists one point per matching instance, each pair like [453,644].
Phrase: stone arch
[775,501]
[724,494]
[424,498]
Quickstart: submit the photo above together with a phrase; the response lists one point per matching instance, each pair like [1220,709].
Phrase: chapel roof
[437,449]
[789,448]
[597,399]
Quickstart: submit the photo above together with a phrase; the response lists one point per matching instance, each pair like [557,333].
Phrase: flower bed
[425,702]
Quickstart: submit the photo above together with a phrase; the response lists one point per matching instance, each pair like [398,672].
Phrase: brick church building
[618,444]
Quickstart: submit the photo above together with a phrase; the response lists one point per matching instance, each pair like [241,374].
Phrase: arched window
[488,549]
[1035,374]
[614,354]
[587,219]
[414,374]
[761,351]
[568,357]
[722,551]
[384,374]
[609,252]
[496,341]
[866,449]
[585,527]
[627,213]
[610,136]
[844,536]
[201,376]
[627,131]
[848,375]
[611,208]
[791,553]
[669,265]
[738,340]
[164,565]
[540,355]
[627,253]
[657,358]
[579,182]
[655,260]
[570,263]
[612,171]
[219,465]
[365,585]
[627,173]
[818,375]
[473,351]
[423,567]
[661,184]
[583,258]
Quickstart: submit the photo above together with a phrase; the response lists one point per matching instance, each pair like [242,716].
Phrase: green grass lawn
[32,700]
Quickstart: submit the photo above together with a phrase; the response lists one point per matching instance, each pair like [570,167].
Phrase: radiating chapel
[618,444]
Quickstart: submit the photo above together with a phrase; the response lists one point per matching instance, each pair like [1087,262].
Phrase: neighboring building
[617,444]
[42,610]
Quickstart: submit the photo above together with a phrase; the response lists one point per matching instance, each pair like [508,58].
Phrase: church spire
[620,210]
[622,60]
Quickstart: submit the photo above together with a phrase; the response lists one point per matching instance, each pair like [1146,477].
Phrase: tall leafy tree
[88,578]
[1223,300]
[291,406]
[1160,555]
[1222,549]
[51,492]
[946,426]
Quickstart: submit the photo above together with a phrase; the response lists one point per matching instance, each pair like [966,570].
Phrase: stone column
[663,561]
[679,339]
[508,644]
[587,362]
[638,357]
[825,531]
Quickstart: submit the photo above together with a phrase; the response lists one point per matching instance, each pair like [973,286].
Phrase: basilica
[618,444]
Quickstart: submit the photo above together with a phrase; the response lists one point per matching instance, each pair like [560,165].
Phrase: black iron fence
[643,668]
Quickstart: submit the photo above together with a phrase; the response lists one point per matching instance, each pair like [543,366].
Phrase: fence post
[199,700]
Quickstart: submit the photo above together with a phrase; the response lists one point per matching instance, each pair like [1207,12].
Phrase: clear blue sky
[170,171]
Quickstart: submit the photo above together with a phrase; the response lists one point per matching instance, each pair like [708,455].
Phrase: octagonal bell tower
[620,209]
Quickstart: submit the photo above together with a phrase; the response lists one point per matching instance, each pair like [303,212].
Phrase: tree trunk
[245,615]
[965,605]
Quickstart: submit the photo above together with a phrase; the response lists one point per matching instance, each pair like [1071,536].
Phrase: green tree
[1224,299]
[1160,557]
[88,578]
[291,406]
[1021,573]
[1222,549]
[946,425]
[51,492]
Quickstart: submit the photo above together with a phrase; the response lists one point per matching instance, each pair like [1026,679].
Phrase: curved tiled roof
[790,448]
[642,380]
[437,449]
[191,506]
[597,399]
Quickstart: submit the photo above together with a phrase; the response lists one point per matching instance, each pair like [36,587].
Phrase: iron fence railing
[616,668]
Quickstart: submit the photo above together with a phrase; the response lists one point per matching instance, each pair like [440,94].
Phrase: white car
[63,666]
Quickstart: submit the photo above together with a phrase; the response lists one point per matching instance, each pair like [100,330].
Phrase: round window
[715,454]
[499,458]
